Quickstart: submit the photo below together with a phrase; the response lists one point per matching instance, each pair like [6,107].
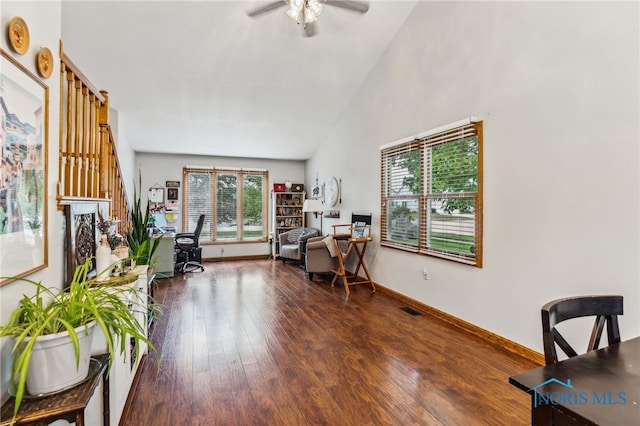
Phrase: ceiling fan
[306,12]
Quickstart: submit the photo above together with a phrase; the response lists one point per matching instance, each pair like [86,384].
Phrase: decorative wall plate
[331,192]
[19,35]
[45,62]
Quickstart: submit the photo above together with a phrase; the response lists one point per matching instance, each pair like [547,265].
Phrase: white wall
[43,20]
[156,169]
[556,84]
[126,154]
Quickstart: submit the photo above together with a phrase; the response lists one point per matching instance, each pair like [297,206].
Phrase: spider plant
[55,310]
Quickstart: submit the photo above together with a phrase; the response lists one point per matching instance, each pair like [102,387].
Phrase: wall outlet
[425,274]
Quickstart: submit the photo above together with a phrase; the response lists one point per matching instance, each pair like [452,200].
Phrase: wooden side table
[68,405]
[357,247]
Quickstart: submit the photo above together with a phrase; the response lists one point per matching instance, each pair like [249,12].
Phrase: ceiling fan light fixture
[294,14]
[314,6]
[295,7]
[307,11]
[309,16]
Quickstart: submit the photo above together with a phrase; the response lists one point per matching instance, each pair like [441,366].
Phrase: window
[234,202]
[432,193]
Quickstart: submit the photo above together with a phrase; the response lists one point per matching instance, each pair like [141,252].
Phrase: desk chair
[188,250]
[605,308]
[353,242]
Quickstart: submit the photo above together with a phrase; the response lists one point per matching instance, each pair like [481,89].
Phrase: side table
[68,405]
[348,278]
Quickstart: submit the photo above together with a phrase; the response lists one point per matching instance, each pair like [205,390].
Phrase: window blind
[432,194]
[234,201]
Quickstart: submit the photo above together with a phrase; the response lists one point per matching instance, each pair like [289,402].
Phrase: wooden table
[68,405]
[357,247]
[601,387]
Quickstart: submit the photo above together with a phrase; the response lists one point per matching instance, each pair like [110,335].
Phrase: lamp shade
[313,206]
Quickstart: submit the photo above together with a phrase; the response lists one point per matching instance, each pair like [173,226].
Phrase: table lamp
[315,207]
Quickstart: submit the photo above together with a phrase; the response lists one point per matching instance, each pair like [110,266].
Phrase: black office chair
[605,308]
[188,250]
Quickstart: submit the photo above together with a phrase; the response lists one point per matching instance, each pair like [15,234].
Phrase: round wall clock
[19,35]
[331,192]
[45,62]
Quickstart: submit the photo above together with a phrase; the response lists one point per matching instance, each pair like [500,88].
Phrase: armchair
[318,257]
[291,243]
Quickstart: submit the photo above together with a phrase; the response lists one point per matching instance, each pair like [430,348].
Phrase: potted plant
[71,313]
[141,246]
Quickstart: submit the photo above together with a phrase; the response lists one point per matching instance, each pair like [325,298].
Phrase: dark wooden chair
[605,308]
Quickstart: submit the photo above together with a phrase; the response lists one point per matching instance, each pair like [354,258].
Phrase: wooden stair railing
[88,167]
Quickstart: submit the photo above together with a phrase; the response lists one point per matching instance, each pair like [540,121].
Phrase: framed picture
[172,184]
[23,170]
[81,236]
[335,214]
[156,195]
[172,194]
[316,192]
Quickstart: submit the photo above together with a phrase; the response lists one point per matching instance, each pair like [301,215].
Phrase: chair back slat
[605,309]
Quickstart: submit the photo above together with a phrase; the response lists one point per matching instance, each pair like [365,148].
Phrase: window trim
[457,131]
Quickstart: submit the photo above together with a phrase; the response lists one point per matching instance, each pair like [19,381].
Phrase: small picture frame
[334,214]
[316,192]
[172,194]
[156,195]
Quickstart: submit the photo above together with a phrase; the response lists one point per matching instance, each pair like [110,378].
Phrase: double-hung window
[432,193]
[234,201]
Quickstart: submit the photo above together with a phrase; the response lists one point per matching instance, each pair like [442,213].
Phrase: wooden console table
[357,247]
[68,405]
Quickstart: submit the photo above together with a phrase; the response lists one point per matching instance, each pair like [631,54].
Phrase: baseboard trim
[486,335]
[247,257]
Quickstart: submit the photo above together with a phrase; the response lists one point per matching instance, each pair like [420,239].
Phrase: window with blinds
[432,193]
[234,202]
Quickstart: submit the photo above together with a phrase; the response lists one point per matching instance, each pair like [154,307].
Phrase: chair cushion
[294,235]
[331,245]
[290,251]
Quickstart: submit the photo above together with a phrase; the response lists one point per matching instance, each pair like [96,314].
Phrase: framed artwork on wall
[156,195]
[23,170]
[172,194]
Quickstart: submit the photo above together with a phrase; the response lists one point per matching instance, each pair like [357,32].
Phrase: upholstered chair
[291,243]
[319,259]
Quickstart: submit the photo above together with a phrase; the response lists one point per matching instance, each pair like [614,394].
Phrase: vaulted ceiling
[202,77]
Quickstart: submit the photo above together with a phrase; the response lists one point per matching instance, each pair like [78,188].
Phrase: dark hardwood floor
[257,343]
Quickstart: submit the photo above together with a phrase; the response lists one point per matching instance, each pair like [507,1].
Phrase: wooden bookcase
[287,214]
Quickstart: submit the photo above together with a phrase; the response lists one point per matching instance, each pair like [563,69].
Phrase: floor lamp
[315,207]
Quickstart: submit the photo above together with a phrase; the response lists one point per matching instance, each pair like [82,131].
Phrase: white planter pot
[53,361]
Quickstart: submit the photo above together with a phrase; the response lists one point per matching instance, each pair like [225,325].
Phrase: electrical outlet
[425,274]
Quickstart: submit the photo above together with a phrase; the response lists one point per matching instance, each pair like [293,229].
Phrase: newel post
[103,122]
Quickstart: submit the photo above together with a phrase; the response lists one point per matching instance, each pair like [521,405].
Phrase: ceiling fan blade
[309,29]
[356,6]
[266,8]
